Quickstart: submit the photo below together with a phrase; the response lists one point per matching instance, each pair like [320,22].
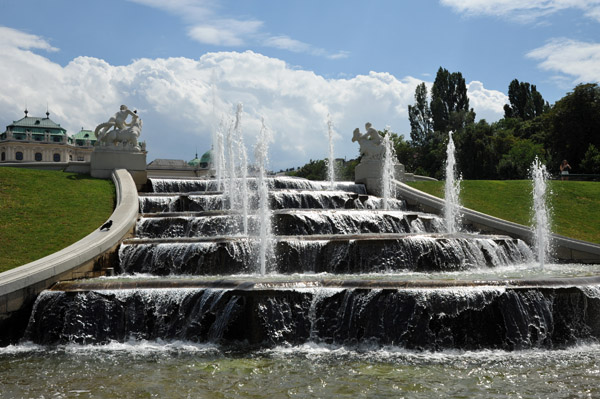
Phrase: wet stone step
[199,185]
[218,223]
[467,318]
[279,199]
[344,254]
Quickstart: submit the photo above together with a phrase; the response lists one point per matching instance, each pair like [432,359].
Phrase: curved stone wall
[22,284]
[566,249]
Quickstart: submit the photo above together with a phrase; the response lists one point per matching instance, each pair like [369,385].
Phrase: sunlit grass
[575,204]
[42,212]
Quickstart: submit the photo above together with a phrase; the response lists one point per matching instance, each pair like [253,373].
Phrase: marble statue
[118,133]
[371,143]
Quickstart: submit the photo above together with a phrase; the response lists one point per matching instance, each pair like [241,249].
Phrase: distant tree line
[569,129]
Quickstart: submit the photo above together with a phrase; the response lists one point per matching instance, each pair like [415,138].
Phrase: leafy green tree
[574,123]
[313,170]
[591,160]
[346,171]
[476,155]
[525,101]
[419,116]
[516,163]
[449,102]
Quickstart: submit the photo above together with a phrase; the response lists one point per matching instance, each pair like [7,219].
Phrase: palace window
[19,156]
[38,156]
[3,156]
[56,157]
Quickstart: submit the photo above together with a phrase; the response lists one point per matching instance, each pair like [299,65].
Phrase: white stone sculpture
[371,143]
[117,133]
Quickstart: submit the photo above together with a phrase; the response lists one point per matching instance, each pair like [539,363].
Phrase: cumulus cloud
[524,11]
[571,59]
[181,100]
[206,25]
[488,104]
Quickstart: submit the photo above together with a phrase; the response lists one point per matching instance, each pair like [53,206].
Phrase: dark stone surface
[471,319]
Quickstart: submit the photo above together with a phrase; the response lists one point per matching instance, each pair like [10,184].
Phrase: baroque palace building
[38,139]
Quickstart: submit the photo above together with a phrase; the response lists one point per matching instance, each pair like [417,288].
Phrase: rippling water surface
[185,370]
[519,271]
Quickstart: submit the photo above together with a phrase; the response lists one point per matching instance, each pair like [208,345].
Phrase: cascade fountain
[451,190]
[541,212]
[358,297]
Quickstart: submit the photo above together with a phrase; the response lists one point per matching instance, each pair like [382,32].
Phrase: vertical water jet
[451,190]
[331,160]
[541,213]
[242,193]
[387,173]
[264,213]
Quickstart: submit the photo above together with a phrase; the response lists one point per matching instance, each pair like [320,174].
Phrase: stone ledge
[567,249]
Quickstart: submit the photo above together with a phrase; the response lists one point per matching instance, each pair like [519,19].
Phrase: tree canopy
[570,129]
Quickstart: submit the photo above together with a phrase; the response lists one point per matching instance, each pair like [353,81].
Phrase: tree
[419,116]
[526,102]
[313,170]
[449,102]
[574,123]
[475,152]
[517,162]
[591,160]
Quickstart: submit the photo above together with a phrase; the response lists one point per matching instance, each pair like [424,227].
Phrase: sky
[185,65]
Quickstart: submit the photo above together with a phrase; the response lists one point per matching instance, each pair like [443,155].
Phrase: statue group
[118,133]
[371,143]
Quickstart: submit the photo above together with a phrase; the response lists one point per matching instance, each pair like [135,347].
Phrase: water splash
[264,213]
[387,172]
[541,212]
[452,190]
[331,161]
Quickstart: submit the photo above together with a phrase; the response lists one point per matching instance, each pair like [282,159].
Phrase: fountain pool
[181,370]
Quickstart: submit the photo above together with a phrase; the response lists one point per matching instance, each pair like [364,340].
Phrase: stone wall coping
[84,250]
[512,229]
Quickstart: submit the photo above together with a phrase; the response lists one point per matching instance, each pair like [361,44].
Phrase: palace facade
[38,139]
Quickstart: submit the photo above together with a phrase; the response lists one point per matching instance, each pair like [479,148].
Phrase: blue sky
[185,64]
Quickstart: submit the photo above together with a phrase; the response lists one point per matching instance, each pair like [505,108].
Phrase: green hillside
[575,204]
[42,212]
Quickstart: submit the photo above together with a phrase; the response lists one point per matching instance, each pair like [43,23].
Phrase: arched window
[38,156]
[56,157]
[3,156]
[19,156]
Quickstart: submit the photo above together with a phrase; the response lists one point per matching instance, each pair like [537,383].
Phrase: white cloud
[287,43]
[296,46]
[578,60]
[227,32]
[15,38]
[205,25]
[524,11]
[488,104]
[182,99]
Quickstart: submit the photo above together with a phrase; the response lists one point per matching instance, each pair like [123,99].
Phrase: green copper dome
[204,162]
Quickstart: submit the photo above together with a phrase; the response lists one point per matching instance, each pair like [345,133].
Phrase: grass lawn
[575,204]
[42,212]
